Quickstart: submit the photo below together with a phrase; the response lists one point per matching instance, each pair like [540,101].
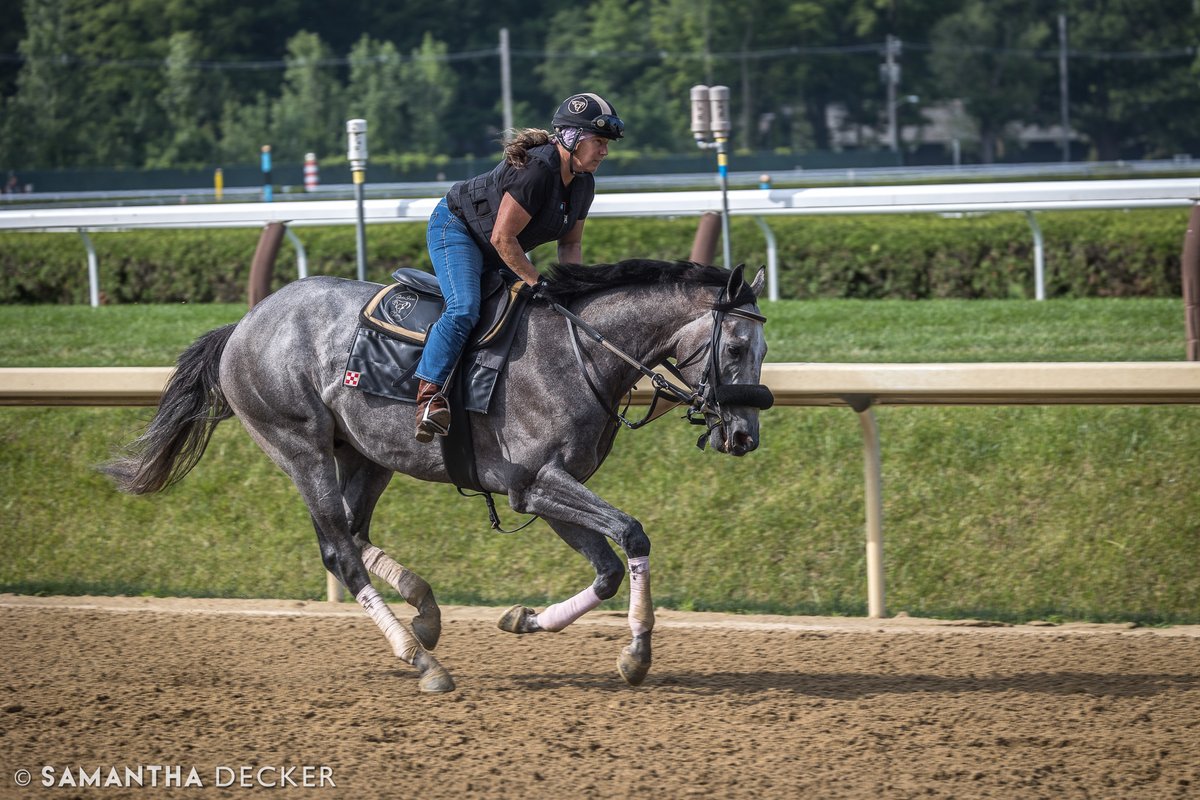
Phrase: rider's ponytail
[516,152]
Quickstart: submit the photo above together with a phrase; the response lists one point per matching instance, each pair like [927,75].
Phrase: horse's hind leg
[362,482]
[303,449]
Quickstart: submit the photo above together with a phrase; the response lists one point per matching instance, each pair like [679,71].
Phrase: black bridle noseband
[705,399]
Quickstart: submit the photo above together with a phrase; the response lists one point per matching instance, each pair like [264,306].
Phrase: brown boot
[433,412]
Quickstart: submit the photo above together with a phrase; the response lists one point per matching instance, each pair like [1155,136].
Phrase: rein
[704,399]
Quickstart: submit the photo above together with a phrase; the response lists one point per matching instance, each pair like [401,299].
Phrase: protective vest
[476,201]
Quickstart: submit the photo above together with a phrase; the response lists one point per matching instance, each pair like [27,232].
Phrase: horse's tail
[191,406]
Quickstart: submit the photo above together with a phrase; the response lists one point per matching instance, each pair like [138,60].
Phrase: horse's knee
[608,582]
[634,541]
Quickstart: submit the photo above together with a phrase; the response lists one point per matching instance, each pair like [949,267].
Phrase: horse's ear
[736,280]
[760,280]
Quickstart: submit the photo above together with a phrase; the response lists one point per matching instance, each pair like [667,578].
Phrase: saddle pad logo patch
[400,305]
[351,378]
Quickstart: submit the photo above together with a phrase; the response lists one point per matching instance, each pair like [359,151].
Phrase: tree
[308,117]
[1133,89]
[376,92]
[245,128]
[986,54]
[43,121]
[429,87]
[188,106]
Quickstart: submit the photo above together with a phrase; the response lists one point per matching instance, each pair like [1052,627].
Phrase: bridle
[705,399]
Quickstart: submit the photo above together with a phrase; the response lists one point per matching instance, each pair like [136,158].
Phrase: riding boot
[433,412]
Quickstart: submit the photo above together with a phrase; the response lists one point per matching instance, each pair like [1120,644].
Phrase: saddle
[391,336]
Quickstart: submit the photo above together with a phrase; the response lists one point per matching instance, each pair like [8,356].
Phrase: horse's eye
[734,350]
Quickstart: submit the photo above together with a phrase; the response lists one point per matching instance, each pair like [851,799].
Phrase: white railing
[760,204]
[860,387]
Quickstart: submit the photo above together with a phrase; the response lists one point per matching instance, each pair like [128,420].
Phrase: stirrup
[428,426]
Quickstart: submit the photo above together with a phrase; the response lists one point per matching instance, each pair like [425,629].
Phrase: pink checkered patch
[351,378]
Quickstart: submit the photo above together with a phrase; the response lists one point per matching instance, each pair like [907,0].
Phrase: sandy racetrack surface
[750,707]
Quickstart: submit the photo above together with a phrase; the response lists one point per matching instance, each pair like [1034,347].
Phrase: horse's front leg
[582,519]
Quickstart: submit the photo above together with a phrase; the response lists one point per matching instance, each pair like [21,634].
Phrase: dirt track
[734,706]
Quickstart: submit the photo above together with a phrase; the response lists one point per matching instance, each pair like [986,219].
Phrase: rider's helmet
[590,112]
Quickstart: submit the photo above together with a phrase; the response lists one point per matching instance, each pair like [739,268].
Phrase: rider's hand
[534,291]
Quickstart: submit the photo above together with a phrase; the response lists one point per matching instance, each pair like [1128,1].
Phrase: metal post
[1039,258]
[891,77]
[356,131]
[1190,267]
[1063,93]
[506,100]
[873,471]
[772,260]
[721,124]
[334,593]
[710,115]
[93,269]
[723,176]
[301,254]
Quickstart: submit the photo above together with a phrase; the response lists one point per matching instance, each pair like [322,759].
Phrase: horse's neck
[644,324]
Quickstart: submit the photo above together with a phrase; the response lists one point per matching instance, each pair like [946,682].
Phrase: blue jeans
[457,262]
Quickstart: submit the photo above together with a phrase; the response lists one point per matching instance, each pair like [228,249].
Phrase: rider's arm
[511,219]
[570,246]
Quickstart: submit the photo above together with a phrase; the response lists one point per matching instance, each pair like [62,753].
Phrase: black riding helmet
[592,113]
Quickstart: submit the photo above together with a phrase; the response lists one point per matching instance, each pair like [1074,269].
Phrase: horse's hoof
[427,627]
[632,668]
[427,631]
[635,659]
[519,619]
[434,677]
[436,681]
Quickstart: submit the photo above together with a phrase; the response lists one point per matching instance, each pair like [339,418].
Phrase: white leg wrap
[560,615]
[403,643]
[641,608]
[411,586]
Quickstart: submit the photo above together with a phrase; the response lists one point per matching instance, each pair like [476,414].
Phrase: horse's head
[730,383]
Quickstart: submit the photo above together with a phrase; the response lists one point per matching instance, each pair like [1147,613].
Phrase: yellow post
[219,184]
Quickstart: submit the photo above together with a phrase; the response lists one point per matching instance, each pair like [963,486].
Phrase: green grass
[1002,513]
[810,330]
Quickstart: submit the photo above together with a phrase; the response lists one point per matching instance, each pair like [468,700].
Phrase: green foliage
[1088,254]
[308,115]
[134,83]
[1001,513]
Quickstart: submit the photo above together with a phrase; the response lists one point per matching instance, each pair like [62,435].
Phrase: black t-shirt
[554,209]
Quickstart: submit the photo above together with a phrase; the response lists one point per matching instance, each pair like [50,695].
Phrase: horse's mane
[567,282]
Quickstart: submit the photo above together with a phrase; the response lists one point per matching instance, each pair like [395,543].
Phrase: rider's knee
[462,321]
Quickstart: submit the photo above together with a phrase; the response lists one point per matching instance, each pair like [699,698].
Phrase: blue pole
[266,170]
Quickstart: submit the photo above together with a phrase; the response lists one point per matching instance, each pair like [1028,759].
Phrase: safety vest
[476,201]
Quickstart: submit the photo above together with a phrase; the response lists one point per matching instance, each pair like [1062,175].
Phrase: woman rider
[539,193]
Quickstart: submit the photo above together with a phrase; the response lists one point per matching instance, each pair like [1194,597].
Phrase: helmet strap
[570,138]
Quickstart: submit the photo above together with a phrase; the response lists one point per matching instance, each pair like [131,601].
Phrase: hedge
[1088,254]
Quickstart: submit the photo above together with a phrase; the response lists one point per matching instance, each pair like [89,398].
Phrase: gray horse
[552,422]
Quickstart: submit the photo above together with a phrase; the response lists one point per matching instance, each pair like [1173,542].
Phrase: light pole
[893,125]
[356,153]
[710,116]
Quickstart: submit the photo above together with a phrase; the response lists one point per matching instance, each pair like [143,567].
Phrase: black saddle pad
[391,335]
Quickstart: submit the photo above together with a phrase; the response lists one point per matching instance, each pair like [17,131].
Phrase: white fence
[760,204]
[857,386]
